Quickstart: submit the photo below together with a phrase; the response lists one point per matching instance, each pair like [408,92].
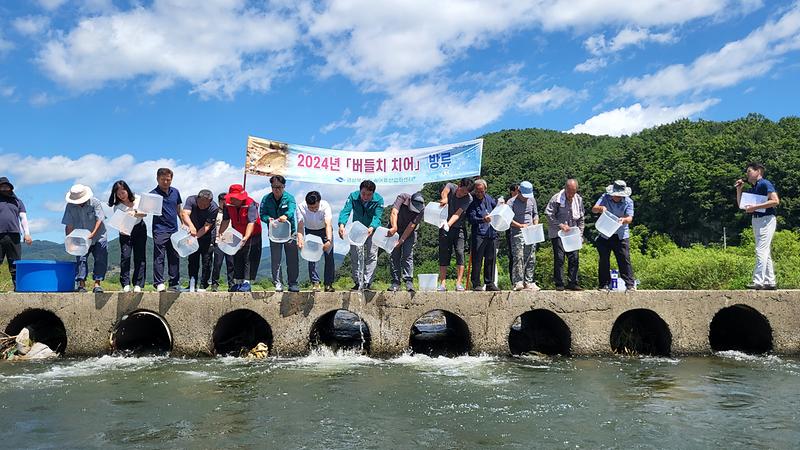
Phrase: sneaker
[177,289]
[315,287]
[80,289]
[200,290]
[442,288]
[394,288]
[755,286]
[233,288]
[460,287]
[329,288]
[126,288]
[631,289]
[97,290]
[137,289]
[492,288]
[214,288]
[479,288]
[769,287]
[410,286]
[368,287]
[161,287]
[532,287]
[559,288]
[355,287]
[278,286]
[574,288]
[245,287]
[294,288]
[519,285]
[604,288]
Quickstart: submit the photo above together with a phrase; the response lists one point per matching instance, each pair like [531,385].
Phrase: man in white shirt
[314,217]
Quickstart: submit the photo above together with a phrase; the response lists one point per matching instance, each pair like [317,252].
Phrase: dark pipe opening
[142,333]
[641,332]
[341,330]
[539,331]
[43,326]
[741,328]
[440,333]
[239,331]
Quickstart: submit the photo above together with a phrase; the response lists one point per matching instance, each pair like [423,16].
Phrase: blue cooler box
[45,276]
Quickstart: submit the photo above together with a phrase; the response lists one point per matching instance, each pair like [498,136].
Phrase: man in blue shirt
[13,219]
[617,201]
[163,227]
[763,220]
[483,242]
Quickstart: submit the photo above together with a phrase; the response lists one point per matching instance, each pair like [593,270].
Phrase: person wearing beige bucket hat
[617,201]
[85,212]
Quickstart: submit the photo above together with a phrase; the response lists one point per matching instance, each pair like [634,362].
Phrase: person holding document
[760,201]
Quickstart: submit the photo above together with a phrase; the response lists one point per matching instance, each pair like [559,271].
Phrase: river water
[348,401]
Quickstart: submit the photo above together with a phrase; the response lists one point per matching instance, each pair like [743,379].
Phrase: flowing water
[347,400]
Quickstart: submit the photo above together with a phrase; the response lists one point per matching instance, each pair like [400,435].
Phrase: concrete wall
[90,318]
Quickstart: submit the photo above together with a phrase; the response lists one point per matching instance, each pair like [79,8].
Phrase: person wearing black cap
[407,213]
[13,219]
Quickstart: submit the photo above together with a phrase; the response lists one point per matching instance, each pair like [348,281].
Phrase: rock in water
[24,341]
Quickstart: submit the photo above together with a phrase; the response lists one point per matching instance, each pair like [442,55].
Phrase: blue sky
[96,90]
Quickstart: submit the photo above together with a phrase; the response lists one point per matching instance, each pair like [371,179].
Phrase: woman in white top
[122,199]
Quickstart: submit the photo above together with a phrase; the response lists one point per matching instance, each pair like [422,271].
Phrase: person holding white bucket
[241,212]
[565,211]
[315,217]
[280,205]
[452,234]
[763,221]
[525,214]
[407,213]
[483,241]
[367,208]
[617,201]
[85,212]
[135,243]
[163,227]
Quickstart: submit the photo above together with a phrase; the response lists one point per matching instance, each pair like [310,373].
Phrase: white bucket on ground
[435,214]
[184,243]
[380,239]
[571,240]
[230,241]
[356,233]
[428,281]
[312,248]
[150,204]
[280,232]
[607,224]
[533,234]
[77,243]
[501,217]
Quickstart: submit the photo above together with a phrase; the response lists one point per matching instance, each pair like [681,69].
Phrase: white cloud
[38,225]
[551,98]
[591,65]
[51,5]
[635,118]
[218,46]
[41,99]
[598,46]
[5,45]
[737,61]
[7,91]
[31,25]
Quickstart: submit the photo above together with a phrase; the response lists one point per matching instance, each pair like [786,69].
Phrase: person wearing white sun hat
[84,212]
[617,201]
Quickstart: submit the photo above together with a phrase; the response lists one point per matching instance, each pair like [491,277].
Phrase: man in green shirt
[279,205]
[367,208]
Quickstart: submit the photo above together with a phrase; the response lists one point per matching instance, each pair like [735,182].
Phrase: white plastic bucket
[533,234]
[184,243]
[312,248]
[571,240]
[435,214]
[356,233]
[150,204]
[280,232]
[77,243]
[428,281]
[123,222]
[607,224]
[230,241]
[501,217]
[380,239]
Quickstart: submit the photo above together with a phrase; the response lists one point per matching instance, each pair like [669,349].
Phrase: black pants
[247,259]
[510,258]
[219,256]
[11,250]
[292,261]
[202,254]
[162,248]
[483,252]
[330,265]
[448,242]
[136,243]
[622,251]
[558,264]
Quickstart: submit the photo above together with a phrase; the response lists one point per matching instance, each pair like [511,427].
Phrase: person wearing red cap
[241,212]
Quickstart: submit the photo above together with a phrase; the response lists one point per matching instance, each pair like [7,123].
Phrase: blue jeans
[99,251]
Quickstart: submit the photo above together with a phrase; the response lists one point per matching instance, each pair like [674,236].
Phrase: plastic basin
[435,214]
[150,204]
[77,243]
[230,241]
[607,224]
[533,234]
[428,281]
[184,243]
[380,239]
[501,217]
[280,232]
[356,233]
[312,248]
[571,240]
[45,276]
[122,221]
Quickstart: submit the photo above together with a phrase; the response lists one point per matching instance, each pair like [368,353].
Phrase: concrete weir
[574,323]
